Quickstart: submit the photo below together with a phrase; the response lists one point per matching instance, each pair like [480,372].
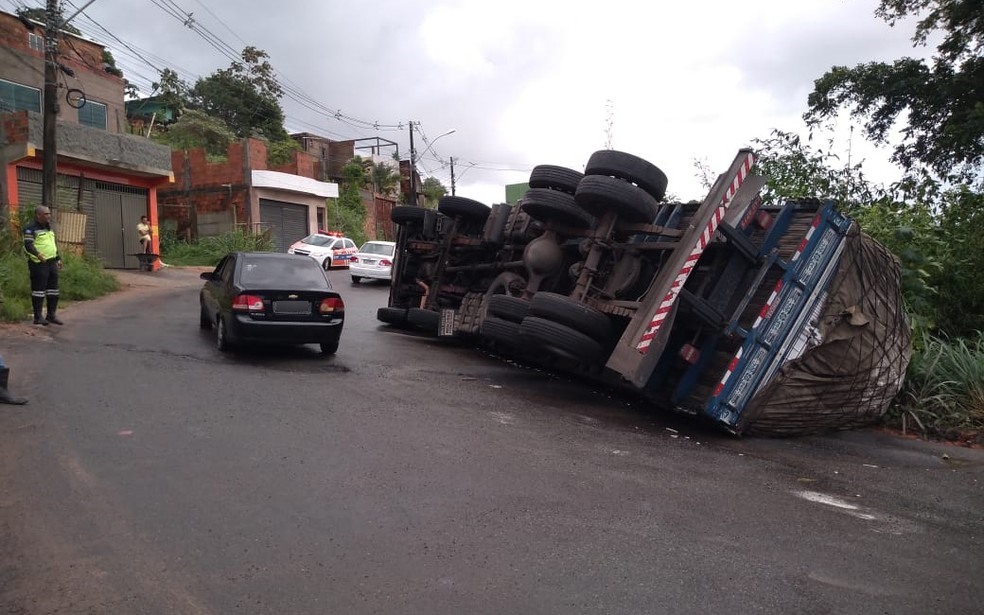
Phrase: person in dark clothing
[44,264]
[5,396]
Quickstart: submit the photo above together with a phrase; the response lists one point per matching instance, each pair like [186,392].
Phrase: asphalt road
[152,474]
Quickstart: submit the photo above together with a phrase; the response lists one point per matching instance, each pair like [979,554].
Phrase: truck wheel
[457,206]
[574,314]
[550,205]
[406,213]
[596,193]
[556,178]
[632,168]
[392,315]
[560,340]
[501,331]
[508,308]
[427,320]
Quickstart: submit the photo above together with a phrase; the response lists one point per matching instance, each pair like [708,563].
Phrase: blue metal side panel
[767,344]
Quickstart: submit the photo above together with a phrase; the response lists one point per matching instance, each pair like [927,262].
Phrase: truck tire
[598,193]
[458,206]
[392,315]
[426,320]
[555,178]
[548,205]
[406,213]
[501,331]
[559,339]
[508,307]
[574,314]
[628,167]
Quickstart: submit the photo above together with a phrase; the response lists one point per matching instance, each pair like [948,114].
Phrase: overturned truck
[763,319]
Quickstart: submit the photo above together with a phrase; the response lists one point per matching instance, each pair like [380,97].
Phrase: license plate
[368,261]
[447,323]
[294,308]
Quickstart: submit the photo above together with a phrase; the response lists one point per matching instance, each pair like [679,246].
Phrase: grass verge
[81,278]
[943,395]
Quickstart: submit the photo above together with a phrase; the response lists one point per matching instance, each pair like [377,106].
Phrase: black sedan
[266,297]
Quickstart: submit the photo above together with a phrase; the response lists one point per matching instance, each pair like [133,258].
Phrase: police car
[330,248]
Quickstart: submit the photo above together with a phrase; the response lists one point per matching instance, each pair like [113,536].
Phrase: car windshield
[318,240]
[377,248]
[279,272]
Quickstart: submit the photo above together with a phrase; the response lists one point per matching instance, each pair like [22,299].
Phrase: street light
[413,160]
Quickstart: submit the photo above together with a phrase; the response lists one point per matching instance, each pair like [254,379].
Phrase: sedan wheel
[222,336]
[204,320]
[328,348]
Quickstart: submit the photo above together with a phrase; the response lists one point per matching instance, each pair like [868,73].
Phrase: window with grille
[17,97]
[93,114]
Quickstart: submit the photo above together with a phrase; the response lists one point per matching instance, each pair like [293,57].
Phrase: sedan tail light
[386,262]
[354,258]
[247,303]
[332,305]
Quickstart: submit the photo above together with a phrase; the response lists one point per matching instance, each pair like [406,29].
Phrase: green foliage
[348,213]
[280,152]
[172,91]
[961,281]
[940,102]
[245,96]
[385,179]
[944,390]
[195,129]
[208,251]
[433,190]
[81,278]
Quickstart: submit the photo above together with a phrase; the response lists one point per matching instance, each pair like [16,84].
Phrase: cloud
[527,82]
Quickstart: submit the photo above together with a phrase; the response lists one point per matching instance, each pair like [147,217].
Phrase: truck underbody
[767,319]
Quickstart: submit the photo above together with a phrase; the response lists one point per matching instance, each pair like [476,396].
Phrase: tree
[196,129]
[172,91]
[349,213]
[942,101]
[433,190]
[385,179]
[245,96]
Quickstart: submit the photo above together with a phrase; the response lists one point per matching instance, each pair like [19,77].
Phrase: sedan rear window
[377,248]
[286,273]
[318,240]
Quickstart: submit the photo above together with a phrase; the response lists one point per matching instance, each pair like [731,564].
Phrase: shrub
[81,278]
[208,251]
[944,390]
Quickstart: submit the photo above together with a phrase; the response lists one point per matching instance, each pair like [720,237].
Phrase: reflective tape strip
[705,238]
[727,374]
[806,240]
[767,308]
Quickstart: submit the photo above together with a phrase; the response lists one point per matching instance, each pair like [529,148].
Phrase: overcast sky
[524,82]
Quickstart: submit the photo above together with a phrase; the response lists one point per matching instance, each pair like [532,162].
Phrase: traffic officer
[43,263]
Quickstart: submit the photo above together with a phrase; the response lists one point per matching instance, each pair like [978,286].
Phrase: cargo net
[855,361]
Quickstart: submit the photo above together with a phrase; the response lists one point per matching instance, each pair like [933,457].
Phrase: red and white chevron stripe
[806,239]
[705,238]
[727,374]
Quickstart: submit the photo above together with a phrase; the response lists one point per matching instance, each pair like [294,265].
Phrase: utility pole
[53,21]
[452,175]
[413,171]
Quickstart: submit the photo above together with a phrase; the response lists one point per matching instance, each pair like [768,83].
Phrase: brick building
[243,191]
[106,179]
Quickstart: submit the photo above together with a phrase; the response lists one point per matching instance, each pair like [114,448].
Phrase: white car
[330,250]
[374,260]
